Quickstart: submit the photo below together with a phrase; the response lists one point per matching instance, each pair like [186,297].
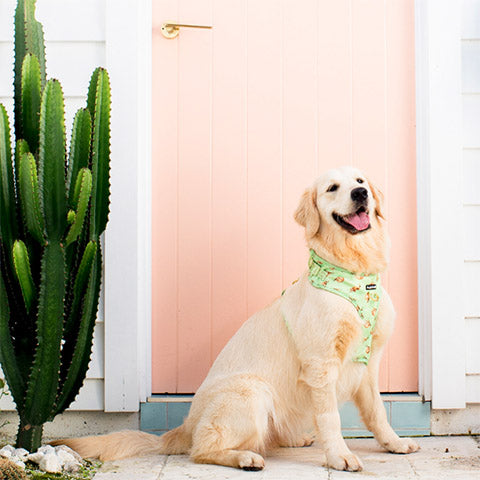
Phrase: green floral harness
[362,290]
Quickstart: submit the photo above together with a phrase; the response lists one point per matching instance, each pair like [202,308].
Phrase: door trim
[439,160]
[128,236]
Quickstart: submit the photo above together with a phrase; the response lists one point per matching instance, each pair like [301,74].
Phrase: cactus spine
[53,210]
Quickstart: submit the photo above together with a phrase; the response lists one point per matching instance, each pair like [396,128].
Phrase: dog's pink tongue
[360,221]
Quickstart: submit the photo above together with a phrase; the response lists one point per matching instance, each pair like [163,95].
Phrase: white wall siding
[75,46]
[470,45]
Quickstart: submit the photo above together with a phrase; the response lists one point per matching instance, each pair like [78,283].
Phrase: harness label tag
[372,286]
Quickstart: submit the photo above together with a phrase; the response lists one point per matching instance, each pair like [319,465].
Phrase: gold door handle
[171,30]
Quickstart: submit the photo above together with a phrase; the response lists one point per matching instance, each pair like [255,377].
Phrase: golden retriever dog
[285,372]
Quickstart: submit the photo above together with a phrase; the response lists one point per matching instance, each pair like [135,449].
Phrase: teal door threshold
[406,412]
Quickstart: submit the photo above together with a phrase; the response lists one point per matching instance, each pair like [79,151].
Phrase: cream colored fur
[271,387]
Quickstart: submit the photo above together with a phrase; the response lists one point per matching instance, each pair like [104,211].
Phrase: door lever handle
[171,30]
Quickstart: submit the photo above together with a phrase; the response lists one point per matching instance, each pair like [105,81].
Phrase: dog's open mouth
[355,222]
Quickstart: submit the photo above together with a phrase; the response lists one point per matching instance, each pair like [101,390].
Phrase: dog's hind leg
[234,429]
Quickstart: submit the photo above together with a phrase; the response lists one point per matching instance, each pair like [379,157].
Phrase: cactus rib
[79,149]
[51,160]
[31,97]
[30,197]
[7,192]
[24,273]
[100,157]
[83,189]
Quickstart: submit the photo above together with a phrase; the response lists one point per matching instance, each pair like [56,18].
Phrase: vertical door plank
[164,201]
[400,41]
[194,194]
[299,125]
[334,84]
[264,149]
[229,172]
[369,107]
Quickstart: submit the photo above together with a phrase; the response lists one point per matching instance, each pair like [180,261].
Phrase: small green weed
[86,472]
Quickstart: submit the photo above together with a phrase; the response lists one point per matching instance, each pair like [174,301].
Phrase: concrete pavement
[452,458]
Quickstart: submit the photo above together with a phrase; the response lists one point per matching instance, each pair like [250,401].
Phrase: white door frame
[128,235]
[439,160]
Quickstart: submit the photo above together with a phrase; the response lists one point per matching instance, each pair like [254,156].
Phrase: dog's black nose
[359,194]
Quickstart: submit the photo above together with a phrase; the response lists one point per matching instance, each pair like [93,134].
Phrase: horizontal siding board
[472,389]
[471,171]
[472,350]
[91,396]
[471,66]
[6,72]
[470,18]
[96,367]
[471,282]
[73,63]
[471,121]
[471,232]
[79,21]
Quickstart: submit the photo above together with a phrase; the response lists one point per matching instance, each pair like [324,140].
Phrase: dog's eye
[359,180]
[332,188]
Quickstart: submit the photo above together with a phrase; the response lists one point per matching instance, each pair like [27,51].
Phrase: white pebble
[6,451]
[64,456]
[46,449]
[50,463]
[21,453]
[35,457]
[20,464]
[75,455]
[72,467]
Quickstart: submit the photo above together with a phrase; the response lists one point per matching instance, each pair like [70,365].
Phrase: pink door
[245,116]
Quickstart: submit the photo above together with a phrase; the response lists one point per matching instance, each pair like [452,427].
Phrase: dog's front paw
[402,445]
[251,462]
[344,461]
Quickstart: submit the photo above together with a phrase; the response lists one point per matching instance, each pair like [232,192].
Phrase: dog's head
[343,218]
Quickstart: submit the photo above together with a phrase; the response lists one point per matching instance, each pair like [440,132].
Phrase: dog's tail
[129,443]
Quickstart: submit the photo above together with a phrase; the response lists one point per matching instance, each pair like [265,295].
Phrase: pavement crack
[412,466]
[160,474]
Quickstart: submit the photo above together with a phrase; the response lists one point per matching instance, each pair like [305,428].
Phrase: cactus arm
[30,197]
[31,97]
[24,273]
[92,91]
[79,285]
[7,354]
[20,50]
[43,380]
[79,348]
[21,147]
[51,161]
[28,39]
[7,191]
[101,157]
[83,189]
[79,149]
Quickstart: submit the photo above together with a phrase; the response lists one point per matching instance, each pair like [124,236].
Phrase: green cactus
[52,213]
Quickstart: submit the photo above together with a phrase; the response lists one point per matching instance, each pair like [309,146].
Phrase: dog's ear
[307,214]
[378,197]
